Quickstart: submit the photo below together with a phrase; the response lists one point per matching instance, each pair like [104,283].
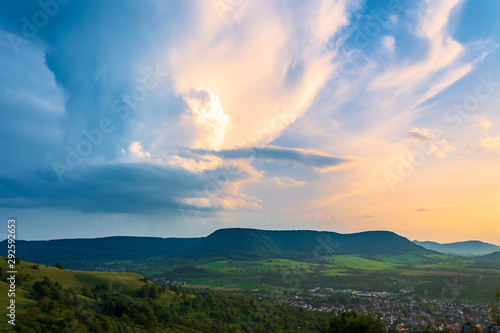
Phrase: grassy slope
[126,283]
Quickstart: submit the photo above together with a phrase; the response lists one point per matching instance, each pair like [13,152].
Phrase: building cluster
[164,281]
[401,311]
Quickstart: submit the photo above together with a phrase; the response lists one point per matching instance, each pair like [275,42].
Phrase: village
[399,311]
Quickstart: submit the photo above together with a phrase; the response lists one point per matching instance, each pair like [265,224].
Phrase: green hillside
[489,261]
[237,243]
[29,273]
[234,243]
[50,299]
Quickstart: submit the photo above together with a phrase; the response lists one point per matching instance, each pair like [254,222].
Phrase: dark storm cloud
[112,187]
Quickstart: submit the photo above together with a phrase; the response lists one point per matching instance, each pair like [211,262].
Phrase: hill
[29,274]
[232,243]
[98,249]
[238,243]
[490,261]
[466,249]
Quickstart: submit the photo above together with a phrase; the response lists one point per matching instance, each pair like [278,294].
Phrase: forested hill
[228,243]
[244,243]
[490,261]
[107,248]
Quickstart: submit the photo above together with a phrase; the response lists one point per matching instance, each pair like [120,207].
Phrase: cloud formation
[136,149]
[120,187]
[207,116]
[193,89]
[483,122]
[490,142]
[262,68]
[416,134]
[287,182]
[428,142]
[318,160]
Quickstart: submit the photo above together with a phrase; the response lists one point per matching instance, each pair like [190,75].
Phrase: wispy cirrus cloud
[276,86]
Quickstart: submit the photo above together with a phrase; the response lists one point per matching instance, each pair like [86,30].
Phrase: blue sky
[177,118]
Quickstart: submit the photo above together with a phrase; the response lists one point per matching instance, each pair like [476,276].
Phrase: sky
[178,118]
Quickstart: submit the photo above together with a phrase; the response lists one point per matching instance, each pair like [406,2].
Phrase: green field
[432,275]
[50,299]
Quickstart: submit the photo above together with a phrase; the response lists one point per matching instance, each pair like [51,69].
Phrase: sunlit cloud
[208,118]
[287,182]
[483,122]
[261,68]
[136,149]
[490,142]
[416,134]
[441,148]
[251,110]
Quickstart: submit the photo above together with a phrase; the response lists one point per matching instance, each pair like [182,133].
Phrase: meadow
[432,276]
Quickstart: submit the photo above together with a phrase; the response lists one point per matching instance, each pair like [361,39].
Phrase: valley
[407,288]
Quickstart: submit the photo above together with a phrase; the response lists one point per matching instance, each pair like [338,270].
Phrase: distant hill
[234,243]
[491,261]
[107,248]
[466,249]
[492,258]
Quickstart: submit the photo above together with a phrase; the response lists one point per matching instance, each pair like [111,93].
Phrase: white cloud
[490,142]
[136,149]
[266,71]
[207,116]
[440,67]
[429,142]
[441,148]
[416,134]
[389,43]
[483,122]
[287,182]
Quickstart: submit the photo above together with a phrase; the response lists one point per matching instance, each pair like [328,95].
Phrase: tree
[353,322]
[495,308]
[141,319]
[59,265]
